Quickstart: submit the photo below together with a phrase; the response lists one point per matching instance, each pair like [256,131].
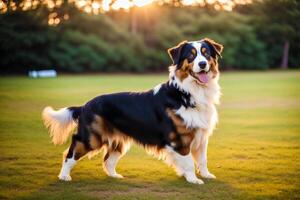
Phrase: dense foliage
[136,41]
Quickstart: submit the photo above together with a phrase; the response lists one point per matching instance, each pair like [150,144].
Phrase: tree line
[261,35]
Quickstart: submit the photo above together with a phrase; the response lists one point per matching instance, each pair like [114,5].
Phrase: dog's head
[196,61]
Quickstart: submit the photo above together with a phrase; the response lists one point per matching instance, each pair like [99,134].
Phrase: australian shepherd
[173,121]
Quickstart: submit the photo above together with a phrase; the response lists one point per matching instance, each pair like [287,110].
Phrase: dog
[173,121]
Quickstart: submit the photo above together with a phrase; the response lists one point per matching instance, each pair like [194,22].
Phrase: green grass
[255,151]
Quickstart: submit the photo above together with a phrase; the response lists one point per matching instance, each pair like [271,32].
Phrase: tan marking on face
[183,72]
[194,51]
[213,63]
[205,54]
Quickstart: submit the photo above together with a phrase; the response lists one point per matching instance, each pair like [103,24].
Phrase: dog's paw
[65,177]
[195,181]
[208,175]
[116,176]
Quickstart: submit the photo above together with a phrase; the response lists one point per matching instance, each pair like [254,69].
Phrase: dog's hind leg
[113,154]
[76,151]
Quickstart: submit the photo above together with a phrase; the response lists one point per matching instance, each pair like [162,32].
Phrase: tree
[252,36]
[279,24]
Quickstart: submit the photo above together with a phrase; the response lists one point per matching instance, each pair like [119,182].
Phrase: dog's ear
[217,48]
[175,52]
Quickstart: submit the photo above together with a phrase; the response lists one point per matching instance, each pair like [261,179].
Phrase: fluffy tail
[61,123]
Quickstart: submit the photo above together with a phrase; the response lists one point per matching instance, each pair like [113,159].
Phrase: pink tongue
[203,77]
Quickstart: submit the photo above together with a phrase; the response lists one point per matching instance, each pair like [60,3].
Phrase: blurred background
[255,150]
[132,35]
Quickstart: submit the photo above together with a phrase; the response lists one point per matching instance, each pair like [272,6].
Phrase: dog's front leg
[184,165]
[199,152]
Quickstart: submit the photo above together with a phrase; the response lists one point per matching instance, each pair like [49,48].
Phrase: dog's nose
[202,64]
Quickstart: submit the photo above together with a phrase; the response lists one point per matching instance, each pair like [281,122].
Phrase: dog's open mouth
[201,77]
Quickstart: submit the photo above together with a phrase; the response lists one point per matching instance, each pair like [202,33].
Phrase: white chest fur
[204,115]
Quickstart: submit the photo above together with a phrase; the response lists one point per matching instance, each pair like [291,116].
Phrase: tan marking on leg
[182,139]
[172,136]
[97,124]
[79,150]
[184,150]
[101,130]
[187,139]
[95,142]
[117,146]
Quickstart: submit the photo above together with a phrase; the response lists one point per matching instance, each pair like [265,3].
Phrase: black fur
[141,116]
[184,49]
[211,49]
[76,111]
[185,54]
[181,52]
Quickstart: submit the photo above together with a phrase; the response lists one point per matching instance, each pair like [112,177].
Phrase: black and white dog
[172,121]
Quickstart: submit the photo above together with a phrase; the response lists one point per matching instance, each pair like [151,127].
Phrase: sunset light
[141,3]
[101,6]
[156,80]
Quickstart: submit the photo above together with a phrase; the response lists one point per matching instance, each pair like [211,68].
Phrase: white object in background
[42,73]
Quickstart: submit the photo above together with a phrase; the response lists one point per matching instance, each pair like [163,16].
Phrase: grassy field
[255,151]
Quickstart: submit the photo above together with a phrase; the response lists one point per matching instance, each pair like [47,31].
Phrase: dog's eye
[205,53]
[191,57]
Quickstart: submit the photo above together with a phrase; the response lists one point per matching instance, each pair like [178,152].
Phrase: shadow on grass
[136,188]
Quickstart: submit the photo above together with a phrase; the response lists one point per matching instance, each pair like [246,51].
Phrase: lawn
[255,151]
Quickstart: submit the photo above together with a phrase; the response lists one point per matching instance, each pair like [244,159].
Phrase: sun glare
[228,5]
[121,4]
[102,6]
[126,4]
[141,3]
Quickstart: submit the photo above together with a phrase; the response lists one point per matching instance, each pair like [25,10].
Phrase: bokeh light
[102,6]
